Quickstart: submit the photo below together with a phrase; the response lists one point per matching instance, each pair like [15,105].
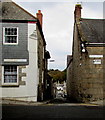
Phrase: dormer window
[10,35]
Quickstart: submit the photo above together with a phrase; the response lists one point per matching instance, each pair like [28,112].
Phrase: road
[55,109]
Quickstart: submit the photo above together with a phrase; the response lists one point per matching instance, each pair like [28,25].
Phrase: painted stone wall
[27,74]
[10,91]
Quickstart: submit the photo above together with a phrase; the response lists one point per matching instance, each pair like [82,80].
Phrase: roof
[12,11]
[92,30]
[69,60]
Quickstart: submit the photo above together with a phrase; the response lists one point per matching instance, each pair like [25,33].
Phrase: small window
[97,61]
[10,35]
[10,75]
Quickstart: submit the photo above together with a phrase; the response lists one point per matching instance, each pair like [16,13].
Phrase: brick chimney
[77,12]
[39,16]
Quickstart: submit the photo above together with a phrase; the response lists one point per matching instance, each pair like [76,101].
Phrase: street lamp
[51,60]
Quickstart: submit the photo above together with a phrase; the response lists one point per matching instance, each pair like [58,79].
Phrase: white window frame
[4,36]
[10,84]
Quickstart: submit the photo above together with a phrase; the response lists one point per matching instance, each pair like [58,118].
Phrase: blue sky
[58,20]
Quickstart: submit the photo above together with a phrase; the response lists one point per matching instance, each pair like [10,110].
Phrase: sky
[58,21]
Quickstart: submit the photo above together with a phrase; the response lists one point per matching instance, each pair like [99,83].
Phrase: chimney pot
[77,12]
[39,11]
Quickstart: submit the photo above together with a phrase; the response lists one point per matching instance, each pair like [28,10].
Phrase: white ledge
[15,60]
[96,56]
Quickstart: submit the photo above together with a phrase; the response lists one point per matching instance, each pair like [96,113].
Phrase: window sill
[6,85]
[10,43]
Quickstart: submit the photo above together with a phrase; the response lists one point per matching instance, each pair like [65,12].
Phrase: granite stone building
[23,54]
[85,80]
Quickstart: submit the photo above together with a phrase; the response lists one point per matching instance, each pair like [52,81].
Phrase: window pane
[14,39]
[10,74]
[10,35]
[6,33]
[7,39]
[15,31]
[10,39]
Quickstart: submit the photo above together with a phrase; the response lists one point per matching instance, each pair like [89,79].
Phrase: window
[10,75]
[10,35]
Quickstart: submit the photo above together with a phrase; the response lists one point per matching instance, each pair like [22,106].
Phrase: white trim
[15,60]
[8,84]
[96,43]
[2,75]
[42,76]
[10,43]
[4,36]
[96,56]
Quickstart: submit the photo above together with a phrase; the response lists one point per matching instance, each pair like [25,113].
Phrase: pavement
[100,102]
[56,101]
[50,102]
[19,102]
[63,101]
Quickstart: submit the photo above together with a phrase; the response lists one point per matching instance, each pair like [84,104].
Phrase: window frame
[10,84]
[4,42]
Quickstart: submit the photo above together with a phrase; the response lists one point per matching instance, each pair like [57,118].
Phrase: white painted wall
[27,92]
[32,69]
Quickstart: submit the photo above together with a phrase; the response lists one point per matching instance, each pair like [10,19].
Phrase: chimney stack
[39,16]
[77,12]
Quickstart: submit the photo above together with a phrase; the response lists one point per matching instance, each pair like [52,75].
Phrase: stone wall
[41,50]
[85,77]
[21,75]
[0,80]
[76,73]
[69,76]
[91,81]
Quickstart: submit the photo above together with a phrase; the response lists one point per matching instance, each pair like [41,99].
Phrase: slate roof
[69,60]
[12,11]
[92,30]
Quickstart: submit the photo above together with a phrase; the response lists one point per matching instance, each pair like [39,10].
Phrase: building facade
[85,71]
[22,53]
